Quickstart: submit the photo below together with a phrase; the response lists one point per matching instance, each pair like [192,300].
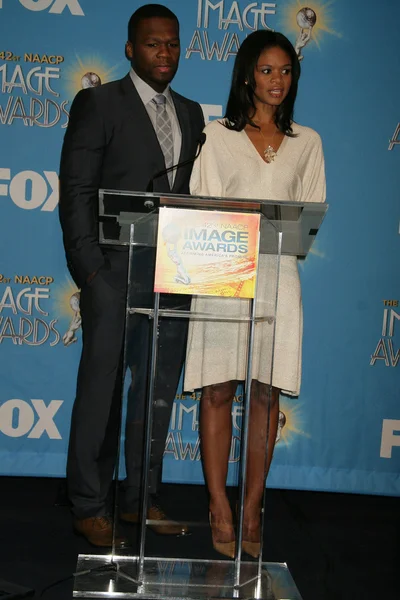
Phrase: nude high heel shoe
[225,548]
[251,548]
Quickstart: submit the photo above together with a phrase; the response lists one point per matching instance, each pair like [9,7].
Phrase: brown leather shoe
[159,522]
[99,532]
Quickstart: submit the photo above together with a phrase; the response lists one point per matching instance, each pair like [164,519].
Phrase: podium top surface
[141,202]
[298,222]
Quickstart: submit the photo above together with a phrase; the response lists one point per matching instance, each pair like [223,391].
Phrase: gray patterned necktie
[164,133]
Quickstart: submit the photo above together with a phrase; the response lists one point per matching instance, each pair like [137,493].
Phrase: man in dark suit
[114,140]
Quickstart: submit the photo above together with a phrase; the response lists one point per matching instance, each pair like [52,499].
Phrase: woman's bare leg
[216,436]
[259,453]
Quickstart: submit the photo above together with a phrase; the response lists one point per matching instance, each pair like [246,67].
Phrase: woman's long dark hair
[240,109]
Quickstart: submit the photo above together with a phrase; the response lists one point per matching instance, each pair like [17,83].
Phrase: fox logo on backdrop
[29,190]
[19,418]
[390,437]
[54,6]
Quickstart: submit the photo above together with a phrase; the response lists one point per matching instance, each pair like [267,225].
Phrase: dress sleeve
[314,185]
[207,178]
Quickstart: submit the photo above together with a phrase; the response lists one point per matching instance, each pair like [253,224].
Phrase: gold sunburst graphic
[89,71]
[317,17]
[292,410]
[62,298]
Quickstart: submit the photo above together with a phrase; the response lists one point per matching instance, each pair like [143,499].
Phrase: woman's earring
[246,82]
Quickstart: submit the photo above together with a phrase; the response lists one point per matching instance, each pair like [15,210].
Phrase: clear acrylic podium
[158,328]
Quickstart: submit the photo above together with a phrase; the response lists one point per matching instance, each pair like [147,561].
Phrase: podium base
[178,579]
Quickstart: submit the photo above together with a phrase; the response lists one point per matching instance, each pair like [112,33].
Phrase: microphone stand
[150,186]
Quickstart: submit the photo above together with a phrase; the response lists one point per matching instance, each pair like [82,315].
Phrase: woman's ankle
[220,508]
[252,514]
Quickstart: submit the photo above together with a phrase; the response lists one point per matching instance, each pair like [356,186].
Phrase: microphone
[150,186]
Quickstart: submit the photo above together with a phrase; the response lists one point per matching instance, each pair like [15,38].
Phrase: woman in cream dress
[257,151]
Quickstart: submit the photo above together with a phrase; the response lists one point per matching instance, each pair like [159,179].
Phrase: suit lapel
[143,125]
[184,122]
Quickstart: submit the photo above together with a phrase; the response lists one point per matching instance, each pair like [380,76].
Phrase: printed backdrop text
[343,432]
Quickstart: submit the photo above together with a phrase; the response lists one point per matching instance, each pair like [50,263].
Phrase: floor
[337,546]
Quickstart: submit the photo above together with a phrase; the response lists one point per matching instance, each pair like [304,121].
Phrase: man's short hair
[148,11]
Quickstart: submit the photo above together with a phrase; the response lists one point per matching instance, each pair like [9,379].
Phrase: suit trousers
[96,414]
[171,350]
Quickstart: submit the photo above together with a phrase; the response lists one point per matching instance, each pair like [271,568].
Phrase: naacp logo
[307,25]
[27,304]
[182,445]
[183,416]
[24,312]
[183,442]
[306,19]
[394,141]
[226,16]
[33,86]
[56,7]
[29,91]
[385,349]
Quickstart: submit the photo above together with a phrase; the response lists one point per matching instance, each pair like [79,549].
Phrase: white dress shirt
[147,94]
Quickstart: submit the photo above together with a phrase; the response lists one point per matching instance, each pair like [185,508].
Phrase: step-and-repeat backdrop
[343,432]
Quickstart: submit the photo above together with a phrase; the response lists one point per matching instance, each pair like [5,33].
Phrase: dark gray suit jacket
[110,143]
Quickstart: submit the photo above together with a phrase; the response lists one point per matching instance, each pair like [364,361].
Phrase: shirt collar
[145,91]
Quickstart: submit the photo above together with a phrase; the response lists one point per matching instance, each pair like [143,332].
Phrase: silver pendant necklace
[269,152]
